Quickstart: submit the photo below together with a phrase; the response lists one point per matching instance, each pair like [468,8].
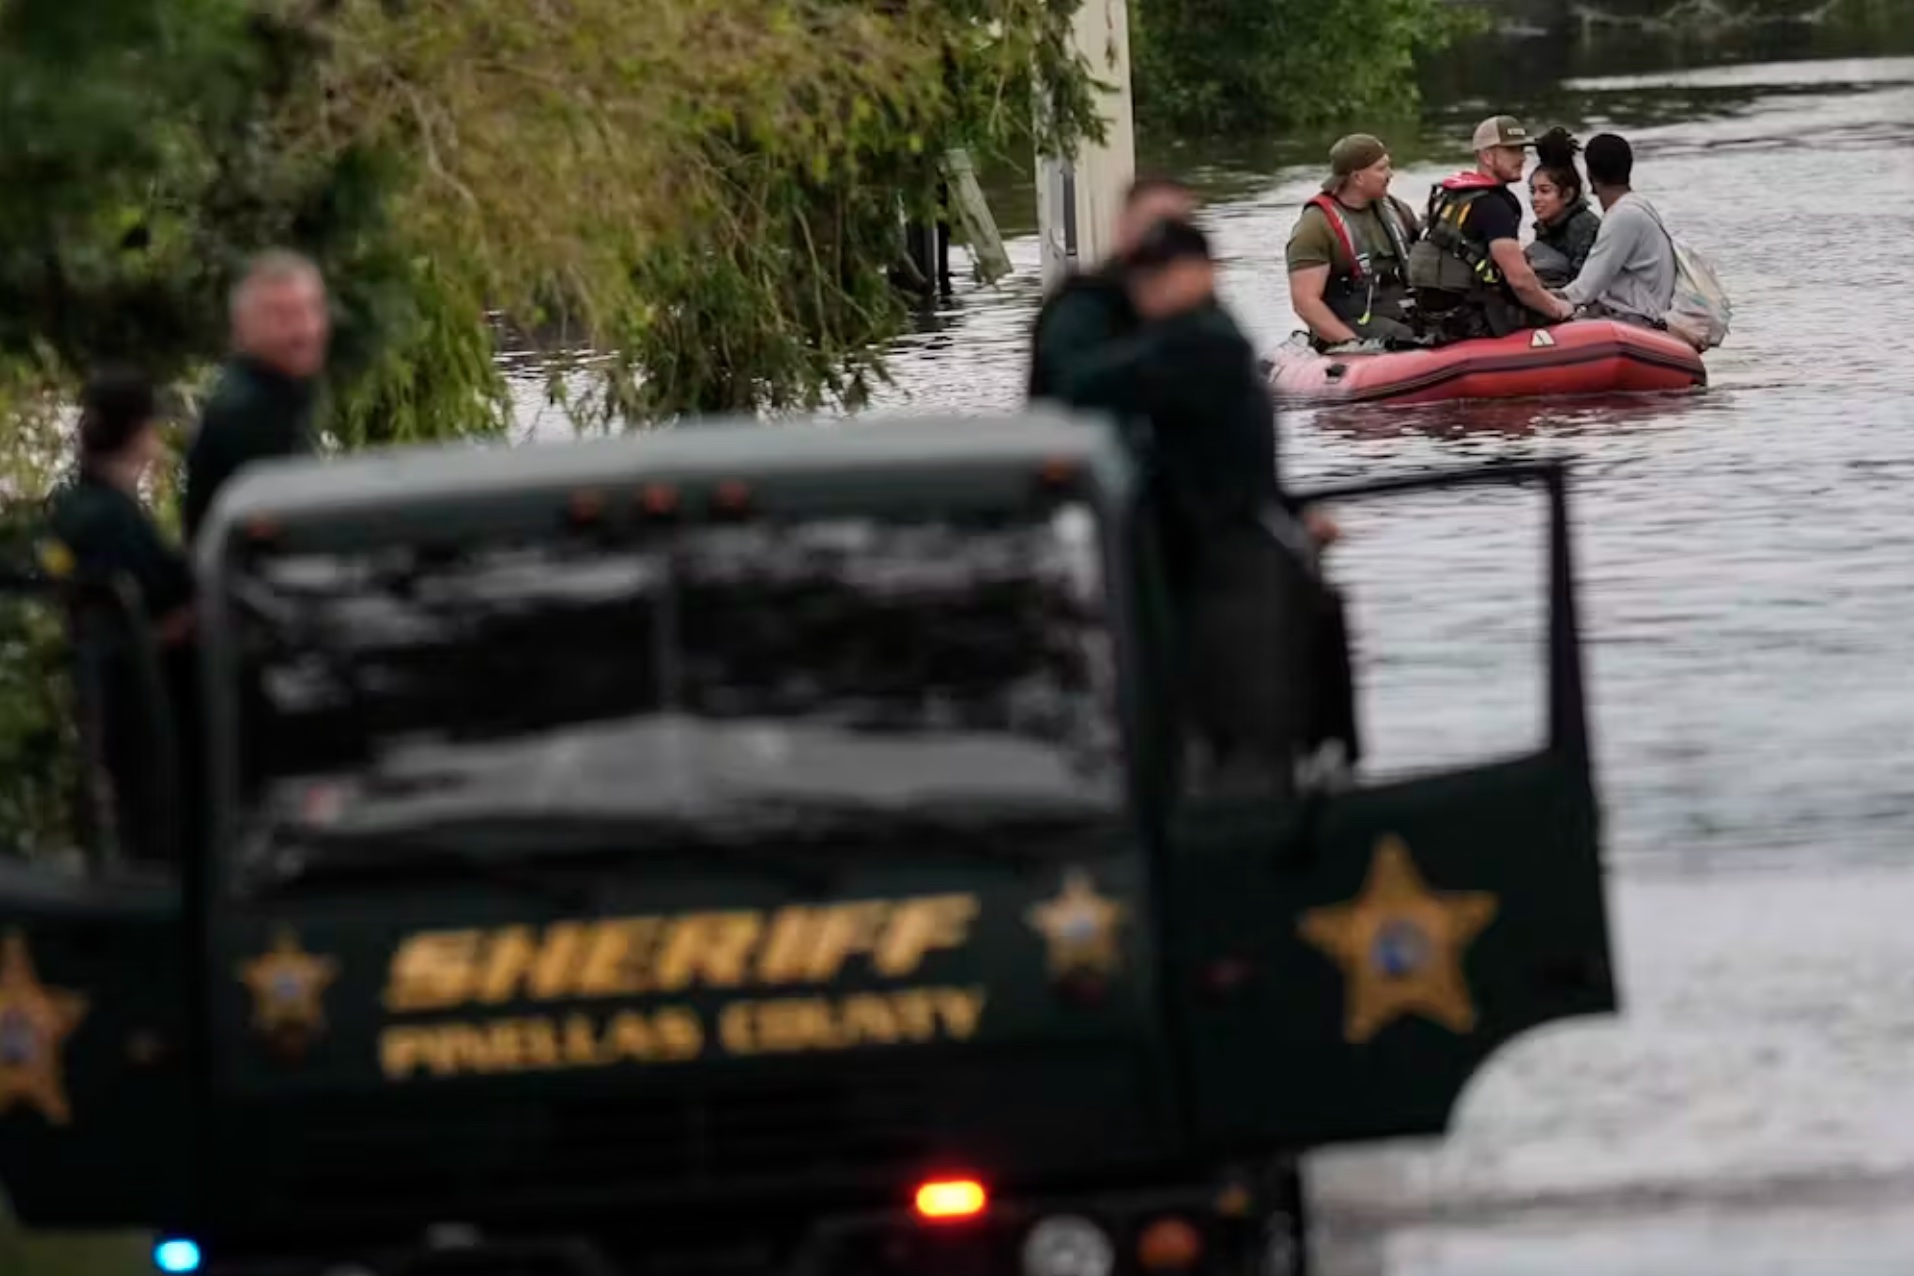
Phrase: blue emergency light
[176,1257]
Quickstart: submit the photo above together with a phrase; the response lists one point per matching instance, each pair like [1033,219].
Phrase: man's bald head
[278,312]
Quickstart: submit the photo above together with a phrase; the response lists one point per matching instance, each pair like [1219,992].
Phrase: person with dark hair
[1091,308]
[1468,271]
[97,521]
[1349,252]
[1630,272]
[1565,224]
[98,529]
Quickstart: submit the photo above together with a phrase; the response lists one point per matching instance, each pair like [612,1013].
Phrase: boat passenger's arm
[1514,265]
[1306,287]
[1613,243]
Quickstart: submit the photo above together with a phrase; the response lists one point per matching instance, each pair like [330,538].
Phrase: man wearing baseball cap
[1348,256]
[1468,272]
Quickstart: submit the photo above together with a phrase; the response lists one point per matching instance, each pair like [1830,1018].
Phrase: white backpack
[1700,312]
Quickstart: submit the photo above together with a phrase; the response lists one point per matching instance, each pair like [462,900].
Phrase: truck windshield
[717,682]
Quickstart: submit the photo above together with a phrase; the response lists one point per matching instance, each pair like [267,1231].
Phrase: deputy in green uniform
[1470,276]
[1261,673]
[1348,256]
[99,529]
[1092,308]
[98,524]
[263,404]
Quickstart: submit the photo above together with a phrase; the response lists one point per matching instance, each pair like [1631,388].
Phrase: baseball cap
[1500,130]
[1352,154]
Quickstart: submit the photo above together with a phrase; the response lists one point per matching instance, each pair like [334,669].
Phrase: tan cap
[1352,154]
[1500,130]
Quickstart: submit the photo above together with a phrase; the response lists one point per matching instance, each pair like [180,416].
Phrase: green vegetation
[684,207]
[1256,66]
[711,191]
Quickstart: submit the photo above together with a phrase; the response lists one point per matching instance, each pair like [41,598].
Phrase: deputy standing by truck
[98,529]
[1188,376]
[1091,308]
[98,523]
[263,404]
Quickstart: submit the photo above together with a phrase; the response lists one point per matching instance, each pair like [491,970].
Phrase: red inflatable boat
[1589,356]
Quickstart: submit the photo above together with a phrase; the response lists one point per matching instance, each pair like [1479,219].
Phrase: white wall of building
[1078,199]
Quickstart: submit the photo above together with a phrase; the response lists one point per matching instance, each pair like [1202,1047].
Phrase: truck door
[93,1043]
[1345,960]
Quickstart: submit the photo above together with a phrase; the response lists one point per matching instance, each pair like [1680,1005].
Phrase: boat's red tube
[1589,356]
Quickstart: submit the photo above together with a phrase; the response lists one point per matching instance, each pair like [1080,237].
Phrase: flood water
[1748,567]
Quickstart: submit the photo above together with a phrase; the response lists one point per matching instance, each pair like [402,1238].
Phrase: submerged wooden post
[972,213]
[1078,197]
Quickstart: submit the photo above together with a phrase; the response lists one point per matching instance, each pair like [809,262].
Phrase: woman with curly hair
[1565,224]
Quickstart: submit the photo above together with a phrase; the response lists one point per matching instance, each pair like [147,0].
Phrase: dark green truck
[750,849]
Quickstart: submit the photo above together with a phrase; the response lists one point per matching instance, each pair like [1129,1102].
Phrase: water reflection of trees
[1544,43]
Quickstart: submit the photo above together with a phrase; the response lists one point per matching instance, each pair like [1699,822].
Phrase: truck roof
[433,474]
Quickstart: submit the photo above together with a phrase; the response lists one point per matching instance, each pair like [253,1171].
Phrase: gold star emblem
[286,983]
[35,1022]
[55,558]
[1400,946]
[1080,926]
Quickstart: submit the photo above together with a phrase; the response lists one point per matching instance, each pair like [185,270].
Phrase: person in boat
[1468,272]
[1348,255]
[1092,308]
[1565,223]
[1630,272]
[97,528]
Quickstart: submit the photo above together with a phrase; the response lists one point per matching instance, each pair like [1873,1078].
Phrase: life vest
[1447,243]
[1366,281]
[1359,255]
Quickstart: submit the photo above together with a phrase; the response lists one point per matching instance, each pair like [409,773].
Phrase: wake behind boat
[1589,356]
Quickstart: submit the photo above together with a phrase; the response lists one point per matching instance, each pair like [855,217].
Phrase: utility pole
[1078,196]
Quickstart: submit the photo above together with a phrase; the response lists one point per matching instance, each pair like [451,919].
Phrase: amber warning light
[944,1199]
